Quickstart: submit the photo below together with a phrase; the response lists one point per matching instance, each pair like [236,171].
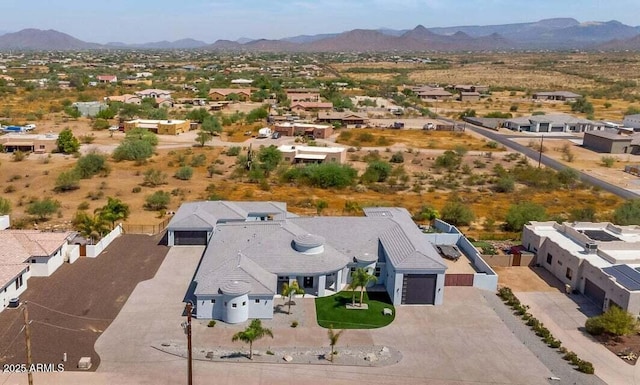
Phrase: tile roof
[19,245]
[9,272]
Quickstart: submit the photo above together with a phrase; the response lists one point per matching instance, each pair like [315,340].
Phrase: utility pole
[27,337]
[187,328]
[540,154]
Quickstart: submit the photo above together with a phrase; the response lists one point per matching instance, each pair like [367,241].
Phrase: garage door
[419,289]
[594,293]
[187,238]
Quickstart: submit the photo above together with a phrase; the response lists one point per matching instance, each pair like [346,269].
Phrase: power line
[59,327]
[69,314]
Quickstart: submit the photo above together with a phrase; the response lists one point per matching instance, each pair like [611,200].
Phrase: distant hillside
[178,44]
[632,44]
[36,39]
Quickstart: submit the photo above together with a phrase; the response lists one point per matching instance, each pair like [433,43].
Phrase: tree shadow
[236,355]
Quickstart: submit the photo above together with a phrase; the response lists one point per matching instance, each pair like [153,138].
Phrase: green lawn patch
[332,312]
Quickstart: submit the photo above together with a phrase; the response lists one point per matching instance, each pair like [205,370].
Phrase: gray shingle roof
[205,214]
[221,274]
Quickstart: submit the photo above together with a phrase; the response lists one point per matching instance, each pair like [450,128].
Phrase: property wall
[45,266]
[71,253]
[9,290]
[561,259]
[95,250]
[5,222]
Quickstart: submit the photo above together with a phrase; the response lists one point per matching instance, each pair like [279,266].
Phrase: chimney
[591,248]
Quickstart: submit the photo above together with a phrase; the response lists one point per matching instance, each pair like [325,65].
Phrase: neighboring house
[126,98]
[315,131]
[107,78]
[552,123]
[343,118]
[38,143]
[154,93]
[242,81]
[612,142]
[164,102]
[220,94]
[144,74]
[160,127]
[632,121]
[253,248]
[600,260]
[471,88]
[471,96]
[311,154]
[432,93]
[137,82]
[27,253]
[564,96]
[303,97]
[300,107]
[90,109]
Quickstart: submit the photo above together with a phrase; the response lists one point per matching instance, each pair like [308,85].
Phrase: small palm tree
[360,278]
[333,340]
[289,290]
[252,333]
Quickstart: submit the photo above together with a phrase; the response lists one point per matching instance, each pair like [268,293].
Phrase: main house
[253,248]
[600,260]
[552,123]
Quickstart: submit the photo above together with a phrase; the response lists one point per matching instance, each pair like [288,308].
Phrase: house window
[257,300]
[377,272]
[549,258]
[234,305]
[34,260]
[225,303]
[19,282]
[569,273]
[244,303]
[353,269]
[213,301]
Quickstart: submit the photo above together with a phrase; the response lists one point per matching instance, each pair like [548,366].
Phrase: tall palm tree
[92,227]
[113,211]
[289,290]
[333,340]
[252,333]
[360,278]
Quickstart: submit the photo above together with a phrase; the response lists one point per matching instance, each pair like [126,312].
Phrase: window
[287,159]
[377,272]
[19,282]
[34,260]
[234,305]
[559,262]
[213,301]
[257,300]
[569,273]
[244,303]
[353,269]
[225,303]
[549,258]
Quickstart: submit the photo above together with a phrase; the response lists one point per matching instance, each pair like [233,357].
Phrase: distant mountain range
[554,34]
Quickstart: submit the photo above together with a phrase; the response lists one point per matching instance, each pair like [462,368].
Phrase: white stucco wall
[95,250]
[45,266]
[235,308]
[9,290]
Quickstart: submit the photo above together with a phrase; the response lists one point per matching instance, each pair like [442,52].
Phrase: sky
[139,21]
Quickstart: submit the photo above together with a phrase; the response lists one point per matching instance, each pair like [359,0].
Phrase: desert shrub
[5,206]
[521,213]
[184,173]
[594,327]
[42,209]
[377,171]
[365,137]
[100,124]
[87,139]
[325,175]
[67,181]
[91,164]
[198,160]
[153,178]
[157,201]
[608,161]
[18,156]
[233,151]
[294,324]
[628,213]
[136,189]
[614,321]
[586,367]
[505,184]
[211,323]
[397,158]
[9,189]
[457,213]
[137,150]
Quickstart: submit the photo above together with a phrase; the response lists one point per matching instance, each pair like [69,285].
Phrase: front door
[307,282]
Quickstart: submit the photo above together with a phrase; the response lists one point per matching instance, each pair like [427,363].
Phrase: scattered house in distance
[37,143]
[126,98]
[552,123]
[612,142]
[311,154]
[432,93]
[316,131]
[563,96]
[144,74]
[160,127]
[471,88]
[599,260]
[107,79]
[253,248]
[471,96]
[632,121]
[89,109]
[241,81]
[154,93]
[303,97]
[299,107]
[345,119]
[220,94]
[137,82]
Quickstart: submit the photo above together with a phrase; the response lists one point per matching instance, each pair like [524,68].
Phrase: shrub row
[541,331]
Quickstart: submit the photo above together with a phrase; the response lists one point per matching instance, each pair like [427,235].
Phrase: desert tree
[333,340]
[360,279]
[289,290]
[252,333]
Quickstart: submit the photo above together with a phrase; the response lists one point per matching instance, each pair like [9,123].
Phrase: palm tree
[289,290]
[92,227]
[333,340]
[113,211]
[360,278]
[252,333]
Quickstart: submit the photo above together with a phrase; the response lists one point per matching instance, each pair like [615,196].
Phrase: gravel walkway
[345,356]
[548,356]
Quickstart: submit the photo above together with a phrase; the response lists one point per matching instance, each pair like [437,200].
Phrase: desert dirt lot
[74,306]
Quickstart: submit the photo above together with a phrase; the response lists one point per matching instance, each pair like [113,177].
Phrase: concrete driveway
[461,342]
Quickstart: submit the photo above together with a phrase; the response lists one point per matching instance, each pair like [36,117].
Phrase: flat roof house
[253,248]
[160,127]
[564,96]
[632,121]
[600,260]
[38,143]
[154,94]
[309,154]
[612,142]
[552,123]
[317,131]
[89,109]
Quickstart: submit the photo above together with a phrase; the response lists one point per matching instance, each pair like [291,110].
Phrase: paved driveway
[460,342]
[563,315]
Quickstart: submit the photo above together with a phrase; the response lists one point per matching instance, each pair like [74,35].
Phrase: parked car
[275,135]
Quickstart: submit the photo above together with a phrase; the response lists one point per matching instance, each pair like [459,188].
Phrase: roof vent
[591,248]
[309,244]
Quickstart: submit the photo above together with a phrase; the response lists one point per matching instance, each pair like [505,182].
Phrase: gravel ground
[548,356]
[346,355]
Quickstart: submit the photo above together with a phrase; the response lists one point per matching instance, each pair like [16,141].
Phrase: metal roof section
[625,275]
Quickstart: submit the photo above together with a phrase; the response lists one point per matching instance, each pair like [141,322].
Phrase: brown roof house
[344,118]
[38,143]
[317,131]
[299,107]
[107,78]
[220,94]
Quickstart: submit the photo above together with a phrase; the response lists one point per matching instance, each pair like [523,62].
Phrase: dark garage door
[187,238]
[594,293]
[419,289]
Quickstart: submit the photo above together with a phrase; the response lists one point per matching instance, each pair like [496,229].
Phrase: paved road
[549,162]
